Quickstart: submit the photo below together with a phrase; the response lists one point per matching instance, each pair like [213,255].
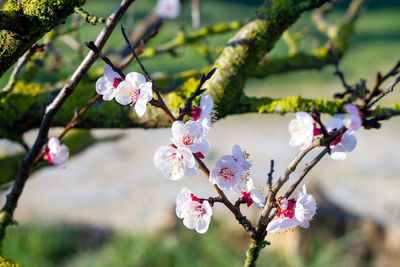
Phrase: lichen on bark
[24,22]
[244,51]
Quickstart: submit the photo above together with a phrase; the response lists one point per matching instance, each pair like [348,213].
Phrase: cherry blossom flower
[135,90]
[190,135]
[107,83]
[354,122]
[255,195]
[168,9]
[240,157]
[196,214]
[294,212]
[302,130]
[305,207]
[203,114]
[226,173]
[175,162]
[252,195]
[344,143]
[57,153]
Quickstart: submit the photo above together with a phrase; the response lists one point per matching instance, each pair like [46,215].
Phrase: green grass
[79,246]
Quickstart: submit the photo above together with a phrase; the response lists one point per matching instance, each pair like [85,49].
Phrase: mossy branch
[24,22]
[87,17]
[182,38]
[22,109]
[242,54]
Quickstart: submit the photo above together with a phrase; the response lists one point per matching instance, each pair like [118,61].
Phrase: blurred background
[111,207]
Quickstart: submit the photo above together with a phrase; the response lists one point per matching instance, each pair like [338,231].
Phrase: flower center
[135,96]
[177,156]
[199,211]
[337,141]
[187,140]
[288,212]
[226,174]
[116,82]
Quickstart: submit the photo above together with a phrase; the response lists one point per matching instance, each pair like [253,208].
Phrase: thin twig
[271,172]
[92,46]
[199,91]
[379,80]
[388,89]
[161,104]
[305,172]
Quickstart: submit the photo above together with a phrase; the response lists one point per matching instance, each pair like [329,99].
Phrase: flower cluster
[133,90]
[303,130]
[177,160]
[56,153]
[231,172]
[294,212]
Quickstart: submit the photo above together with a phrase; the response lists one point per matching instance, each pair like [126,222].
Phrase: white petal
[352,109]
[61,156]
[103,86]
[204,145]
[348,142]
[334,125]
[206,103]
[140,106]
[338,153]
[110,75]
[168,9]
[53,144]
[202,226]
[177,128]
[123,93]
[109,95]
[146,89]
[273,226]
[135,78]
[287,223]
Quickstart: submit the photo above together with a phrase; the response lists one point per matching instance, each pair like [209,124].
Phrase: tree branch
[28,161]
[25,22]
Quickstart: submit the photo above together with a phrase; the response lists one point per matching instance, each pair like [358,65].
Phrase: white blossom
[168,9]
[255,195]
[107,83]
[226,173]
[196,214]
[175,162]
[240,157]
[190,135]
[206,105]
[134,89]
[57,153]
[344,143]
[354,121]
[302,130]
[305,208]
[294,212]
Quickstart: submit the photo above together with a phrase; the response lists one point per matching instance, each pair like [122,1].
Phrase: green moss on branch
[24,22]
[244,51]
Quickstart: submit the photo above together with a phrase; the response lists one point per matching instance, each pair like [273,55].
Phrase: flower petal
[123,93]
[135,78]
